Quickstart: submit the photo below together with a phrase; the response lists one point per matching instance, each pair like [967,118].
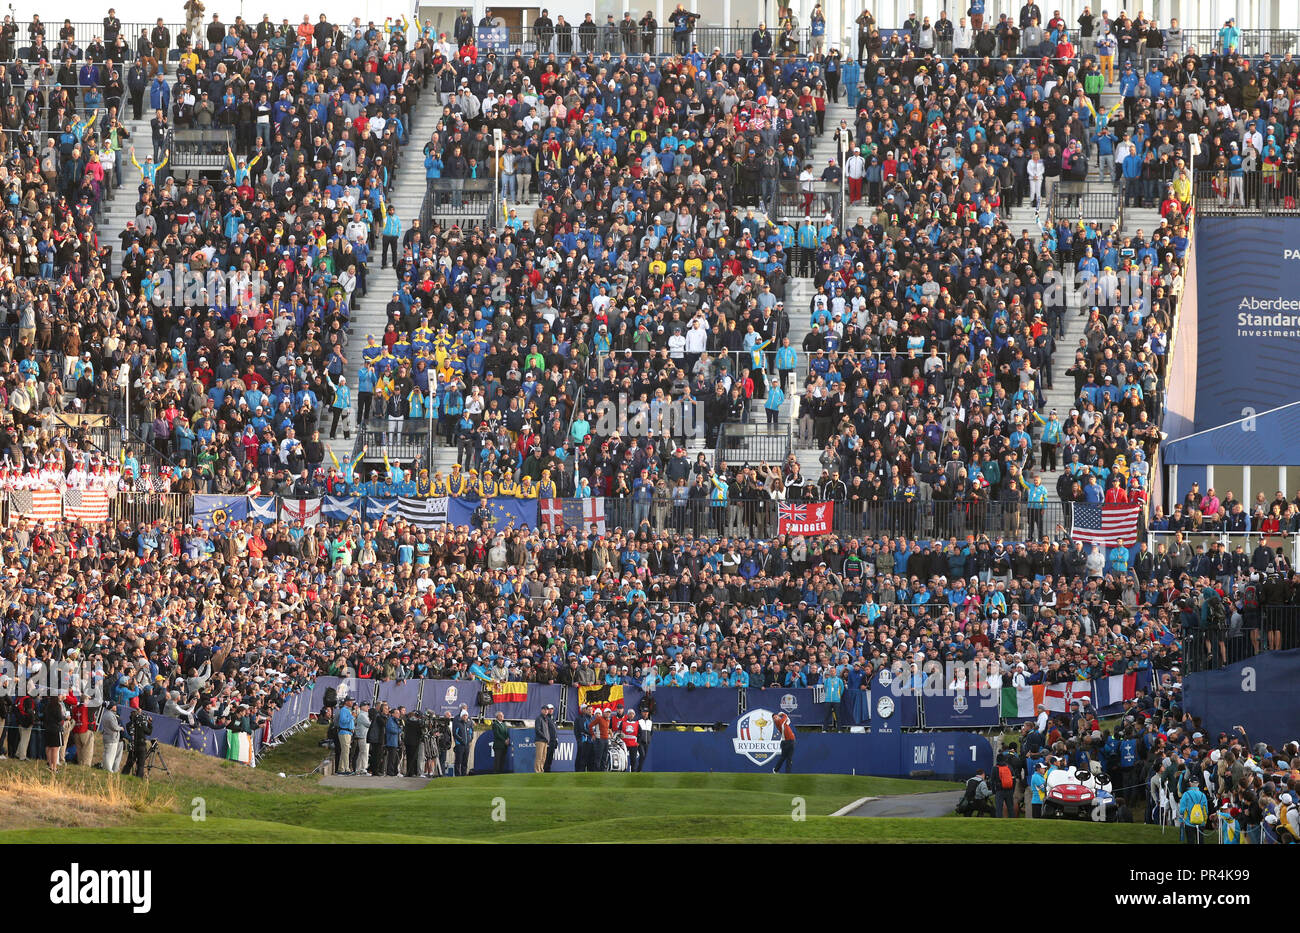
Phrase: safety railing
[1215,646]
[465,199]
[1265,191]
[750,444]
[1094,207]
[659,41]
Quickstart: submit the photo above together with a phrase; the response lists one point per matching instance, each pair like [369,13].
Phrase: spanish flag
[605,696]
[511,691]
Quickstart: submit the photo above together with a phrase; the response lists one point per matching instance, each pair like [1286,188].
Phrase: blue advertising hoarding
[1248,318]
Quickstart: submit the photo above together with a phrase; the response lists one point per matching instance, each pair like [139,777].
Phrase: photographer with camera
[138,729]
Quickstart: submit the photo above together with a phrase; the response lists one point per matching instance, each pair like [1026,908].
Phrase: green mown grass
[258,806]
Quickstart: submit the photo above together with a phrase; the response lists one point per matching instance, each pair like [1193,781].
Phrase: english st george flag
[805,518]
[1109,523]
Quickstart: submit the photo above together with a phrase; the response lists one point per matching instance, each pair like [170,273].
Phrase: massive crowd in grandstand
[654,269]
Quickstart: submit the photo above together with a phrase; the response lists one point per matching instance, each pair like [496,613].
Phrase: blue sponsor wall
[952,755]
[1257,694]
[1248,298]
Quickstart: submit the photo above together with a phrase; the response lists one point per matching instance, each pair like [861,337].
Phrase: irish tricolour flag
[239,747]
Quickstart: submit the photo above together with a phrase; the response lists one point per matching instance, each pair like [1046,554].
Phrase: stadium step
[407,198]
[122,207]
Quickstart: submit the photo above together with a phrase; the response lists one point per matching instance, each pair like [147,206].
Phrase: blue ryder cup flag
[217,511]
[1107,524]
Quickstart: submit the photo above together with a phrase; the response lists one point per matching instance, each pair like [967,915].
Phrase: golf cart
[1080,794]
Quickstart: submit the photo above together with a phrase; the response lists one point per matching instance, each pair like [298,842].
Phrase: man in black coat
[375,739]
[413,739]
[582,740]
[547,738]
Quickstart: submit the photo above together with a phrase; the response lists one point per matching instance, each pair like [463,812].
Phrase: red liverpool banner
[805,518]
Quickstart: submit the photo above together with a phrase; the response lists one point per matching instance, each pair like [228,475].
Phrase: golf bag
[618,757]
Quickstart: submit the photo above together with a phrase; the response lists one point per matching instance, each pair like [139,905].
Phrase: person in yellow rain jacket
[456,482]
[526,488]
[545,487]
[438,487]
[149,171]
[487,486]
[506,488]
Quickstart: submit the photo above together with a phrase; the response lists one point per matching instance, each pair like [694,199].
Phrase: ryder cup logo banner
[756,737]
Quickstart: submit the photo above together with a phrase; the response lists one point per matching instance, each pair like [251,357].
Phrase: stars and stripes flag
[43,503]
[87,505]
[1106,524]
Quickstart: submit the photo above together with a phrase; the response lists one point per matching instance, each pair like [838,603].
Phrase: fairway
[242,806]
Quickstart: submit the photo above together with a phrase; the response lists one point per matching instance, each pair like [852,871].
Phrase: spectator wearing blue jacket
[392,732]
[344,728]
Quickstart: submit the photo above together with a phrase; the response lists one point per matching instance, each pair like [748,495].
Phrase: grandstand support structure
[407,196]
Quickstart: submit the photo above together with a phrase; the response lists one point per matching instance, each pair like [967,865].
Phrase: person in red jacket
[630,731]
[781,727]
[83,729]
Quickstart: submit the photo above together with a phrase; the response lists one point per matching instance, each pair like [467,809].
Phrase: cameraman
[414,738]
[138,728]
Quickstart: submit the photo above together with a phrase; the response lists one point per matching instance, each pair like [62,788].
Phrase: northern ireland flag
[1113,691]
[805,518]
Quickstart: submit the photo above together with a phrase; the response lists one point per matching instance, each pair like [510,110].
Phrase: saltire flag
[262,508]
[217,511]
[87,505]
[339,508]
[427,513]
[239,747]
[1112,691]
[44,503]
[805,518]
[509,691]
[603,696]
[301,513]
[1106,524]
[381,508]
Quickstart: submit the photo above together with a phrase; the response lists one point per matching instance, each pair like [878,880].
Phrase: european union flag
[218,511]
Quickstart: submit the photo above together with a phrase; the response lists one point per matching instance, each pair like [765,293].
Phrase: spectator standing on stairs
[392,231]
